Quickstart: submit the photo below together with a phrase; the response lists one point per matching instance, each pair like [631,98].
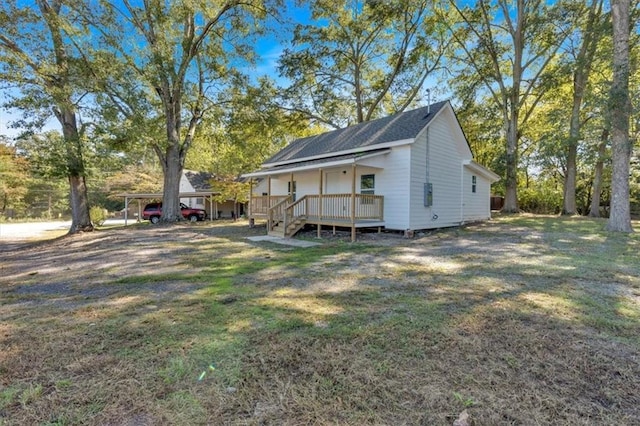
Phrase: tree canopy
[145,86]
[369,59]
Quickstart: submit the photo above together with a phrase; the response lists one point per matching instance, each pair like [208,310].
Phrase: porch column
[268,203]
[320,201]
[353,203]
[250,206]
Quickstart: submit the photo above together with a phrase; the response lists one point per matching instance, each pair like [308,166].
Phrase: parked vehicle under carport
[153,211]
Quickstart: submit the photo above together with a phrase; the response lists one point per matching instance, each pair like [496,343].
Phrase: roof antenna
[428,101]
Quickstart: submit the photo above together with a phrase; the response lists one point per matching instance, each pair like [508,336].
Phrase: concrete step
[276,233]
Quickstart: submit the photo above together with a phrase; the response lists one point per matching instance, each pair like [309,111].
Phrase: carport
[208,195]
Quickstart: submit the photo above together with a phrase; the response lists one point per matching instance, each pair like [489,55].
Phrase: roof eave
[481,170]
[328,164]
[359,150]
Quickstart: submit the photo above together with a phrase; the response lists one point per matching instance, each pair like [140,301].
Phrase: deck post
[269,203]
[353,203]
[250,212]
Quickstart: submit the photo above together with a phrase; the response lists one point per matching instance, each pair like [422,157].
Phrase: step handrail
[276,213]
[294,211]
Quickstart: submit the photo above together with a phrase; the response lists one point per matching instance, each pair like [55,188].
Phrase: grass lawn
[521,320]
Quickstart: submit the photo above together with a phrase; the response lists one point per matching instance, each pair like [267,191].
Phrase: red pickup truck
[153,211]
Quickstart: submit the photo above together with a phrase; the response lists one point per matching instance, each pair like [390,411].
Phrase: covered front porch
[337,201]
[285,217]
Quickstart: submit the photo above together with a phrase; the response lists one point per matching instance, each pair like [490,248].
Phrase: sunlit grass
[521,320]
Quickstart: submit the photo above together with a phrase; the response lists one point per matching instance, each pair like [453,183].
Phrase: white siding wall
[185,186]
[260,187]
[393,183]
[279,185]
[476,205]
[306,183]
[447,149]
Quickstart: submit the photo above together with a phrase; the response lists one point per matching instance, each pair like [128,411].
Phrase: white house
[196,192]
[193,183]
[409,171]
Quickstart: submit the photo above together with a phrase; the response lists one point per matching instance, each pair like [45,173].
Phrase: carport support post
[126,209]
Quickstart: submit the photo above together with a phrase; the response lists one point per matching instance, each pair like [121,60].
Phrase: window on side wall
[289,191]
[367,187]
[473,184]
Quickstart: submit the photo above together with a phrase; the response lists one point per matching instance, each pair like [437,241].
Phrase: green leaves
[355,62]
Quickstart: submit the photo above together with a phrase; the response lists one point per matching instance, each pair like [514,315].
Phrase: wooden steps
[292,228]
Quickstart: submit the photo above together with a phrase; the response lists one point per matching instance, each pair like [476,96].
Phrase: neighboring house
[410,171]
[195,191]
[193,182]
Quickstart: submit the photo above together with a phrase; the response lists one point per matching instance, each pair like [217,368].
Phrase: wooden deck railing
[338,206]
[260,205]
[328,206]
[276,213]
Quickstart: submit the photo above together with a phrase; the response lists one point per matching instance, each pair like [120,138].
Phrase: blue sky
[268,48]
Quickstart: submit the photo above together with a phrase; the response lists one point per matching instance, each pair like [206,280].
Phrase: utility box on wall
[428,194]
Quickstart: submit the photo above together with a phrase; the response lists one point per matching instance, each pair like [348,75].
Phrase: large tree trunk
[594,211]
[620,108]
[173,158]
[172,174]
[511,182]
[580,80]
[569,202]
[512,117]
[80,218]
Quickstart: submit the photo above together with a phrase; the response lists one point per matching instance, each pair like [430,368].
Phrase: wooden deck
[359,223]
[285,217]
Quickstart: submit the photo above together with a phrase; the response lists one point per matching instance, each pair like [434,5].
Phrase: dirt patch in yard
[524,320]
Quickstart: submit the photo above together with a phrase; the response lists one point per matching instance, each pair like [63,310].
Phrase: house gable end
[199,181]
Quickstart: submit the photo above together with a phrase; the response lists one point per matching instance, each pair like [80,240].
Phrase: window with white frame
[289,191]
[473,184]
[367,187]
[368,184]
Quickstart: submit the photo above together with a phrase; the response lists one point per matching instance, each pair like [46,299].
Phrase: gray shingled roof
[199,180]
[404,125]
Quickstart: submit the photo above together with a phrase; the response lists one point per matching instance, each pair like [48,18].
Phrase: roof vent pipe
[428,101]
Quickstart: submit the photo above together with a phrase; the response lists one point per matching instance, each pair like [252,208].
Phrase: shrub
[98,215]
